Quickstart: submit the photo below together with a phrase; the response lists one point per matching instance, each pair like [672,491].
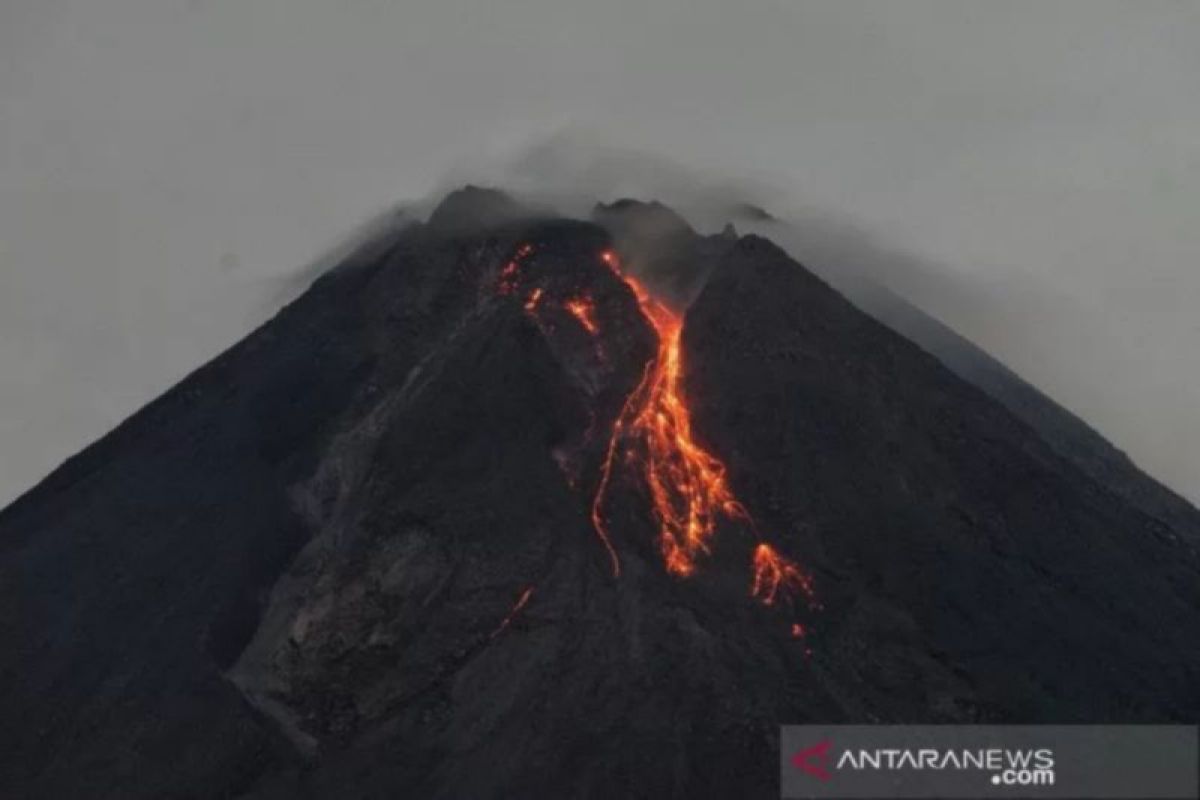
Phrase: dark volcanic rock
[474,209]
[917,496]
[660,247]
[1069,435]
[354,556]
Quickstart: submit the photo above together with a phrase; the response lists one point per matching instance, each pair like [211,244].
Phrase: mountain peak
[524,506]
[474,208]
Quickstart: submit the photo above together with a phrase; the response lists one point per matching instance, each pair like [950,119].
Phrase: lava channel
[688,486]
[516,609]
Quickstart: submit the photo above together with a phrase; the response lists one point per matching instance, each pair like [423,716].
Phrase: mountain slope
[359,554]
[1070,436]
[921,491]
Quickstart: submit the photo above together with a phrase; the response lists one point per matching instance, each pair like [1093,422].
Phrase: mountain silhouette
[513,505]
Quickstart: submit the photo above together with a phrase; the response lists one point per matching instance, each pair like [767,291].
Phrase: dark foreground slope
[354,556]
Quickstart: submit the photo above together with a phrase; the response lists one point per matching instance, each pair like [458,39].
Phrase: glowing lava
[688,486]
[516,609]
[535,297]
[774,574]
[511,274]
[583,310]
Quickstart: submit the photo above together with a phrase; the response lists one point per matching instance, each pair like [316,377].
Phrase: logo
[814,760]
[1109,762]
[1008,767]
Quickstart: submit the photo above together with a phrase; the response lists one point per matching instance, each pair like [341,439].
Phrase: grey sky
[166,164]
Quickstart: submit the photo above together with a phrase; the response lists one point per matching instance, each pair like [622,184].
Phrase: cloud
[1045,157]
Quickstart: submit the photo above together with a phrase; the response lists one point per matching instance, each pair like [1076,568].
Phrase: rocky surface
[1070,436]
[354,556]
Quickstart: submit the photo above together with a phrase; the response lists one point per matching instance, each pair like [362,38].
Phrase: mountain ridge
[356,553]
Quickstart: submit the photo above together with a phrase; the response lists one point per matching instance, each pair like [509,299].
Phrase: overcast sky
[165,165]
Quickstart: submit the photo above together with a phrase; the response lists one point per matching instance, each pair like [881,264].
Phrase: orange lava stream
[688,486]
[535,297]
[584,311]
[772,574]
[516,609]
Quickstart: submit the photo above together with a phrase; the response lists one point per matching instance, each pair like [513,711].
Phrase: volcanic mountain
[513,505]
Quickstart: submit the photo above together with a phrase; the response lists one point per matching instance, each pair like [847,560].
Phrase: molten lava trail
[774,574]
[584,311]
[688,487]
[687,484]
[516,609]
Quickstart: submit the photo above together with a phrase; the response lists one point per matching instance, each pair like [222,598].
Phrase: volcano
[514,505]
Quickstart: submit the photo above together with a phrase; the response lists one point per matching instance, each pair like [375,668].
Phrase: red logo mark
[814,760]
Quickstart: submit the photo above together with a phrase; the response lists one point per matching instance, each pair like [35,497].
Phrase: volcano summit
[513,505]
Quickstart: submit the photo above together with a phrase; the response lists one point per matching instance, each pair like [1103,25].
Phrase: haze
[169,167]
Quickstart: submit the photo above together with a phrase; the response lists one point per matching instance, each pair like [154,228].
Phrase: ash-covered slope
[359,555]
[1069,435]
[916,489]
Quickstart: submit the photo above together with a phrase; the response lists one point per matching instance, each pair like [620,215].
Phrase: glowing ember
[512,270]
[534,298]
[584,311]
[516,609]
[774,574]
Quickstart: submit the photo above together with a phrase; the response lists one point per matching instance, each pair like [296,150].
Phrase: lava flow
[772,574]
[688,486]
[583,310]
[516,609]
